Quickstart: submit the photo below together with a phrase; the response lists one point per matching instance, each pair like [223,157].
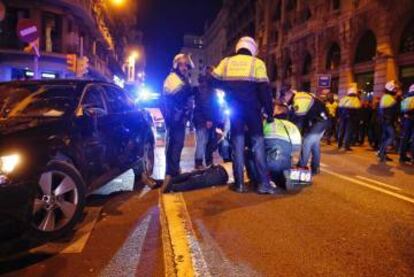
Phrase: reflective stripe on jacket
[173,84]
[302,103]
[350,102]
[387,101]
[407,105]
[284,130]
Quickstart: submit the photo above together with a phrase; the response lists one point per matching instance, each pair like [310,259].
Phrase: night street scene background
[206,138]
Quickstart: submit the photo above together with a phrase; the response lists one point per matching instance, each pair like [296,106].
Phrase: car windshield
[37,100]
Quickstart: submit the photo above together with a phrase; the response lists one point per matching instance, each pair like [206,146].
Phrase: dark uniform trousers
[346,132]
[407,138]
[175,138]
[246,117]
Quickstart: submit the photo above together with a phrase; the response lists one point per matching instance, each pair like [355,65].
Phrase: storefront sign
[324,81]
[27,30]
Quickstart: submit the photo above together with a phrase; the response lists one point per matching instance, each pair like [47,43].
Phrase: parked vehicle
[59,141]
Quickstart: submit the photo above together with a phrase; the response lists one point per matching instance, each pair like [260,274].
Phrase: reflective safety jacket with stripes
[245,81]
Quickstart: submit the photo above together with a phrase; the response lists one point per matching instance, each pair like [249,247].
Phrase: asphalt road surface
[357,219]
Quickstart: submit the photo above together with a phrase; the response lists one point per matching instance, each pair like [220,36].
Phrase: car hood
[16,125]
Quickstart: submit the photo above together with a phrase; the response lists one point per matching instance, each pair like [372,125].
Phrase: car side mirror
[94,111]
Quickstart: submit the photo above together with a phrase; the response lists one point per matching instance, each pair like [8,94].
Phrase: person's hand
[209,124]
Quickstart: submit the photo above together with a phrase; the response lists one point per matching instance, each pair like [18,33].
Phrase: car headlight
[8,163]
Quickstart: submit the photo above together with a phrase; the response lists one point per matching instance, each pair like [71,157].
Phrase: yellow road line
[379,183]
[176,216]
[346,178]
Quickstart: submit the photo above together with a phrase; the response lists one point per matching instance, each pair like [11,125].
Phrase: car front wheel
[59,201]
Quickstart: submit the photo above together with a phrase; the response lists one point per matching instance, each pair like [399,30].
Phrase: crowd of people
[384,121]
[234,107]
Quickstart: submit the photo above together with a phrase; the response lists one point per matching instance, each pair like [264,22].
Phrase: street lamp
[118,2]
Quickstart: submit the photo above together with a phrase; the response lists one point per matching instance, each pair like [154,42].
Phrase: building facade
[82,27]
[194,45]
[354,42]
[215,39]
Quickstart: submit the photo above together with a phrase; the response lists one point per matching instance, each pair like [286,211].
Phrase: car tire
[144,170]
[59,201]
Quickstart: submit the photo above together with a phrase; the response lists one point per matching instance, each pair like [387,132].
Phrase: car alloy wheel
[57,201]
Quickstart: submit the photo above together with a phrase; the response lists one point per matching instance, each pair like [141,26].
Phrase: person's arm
[266,99]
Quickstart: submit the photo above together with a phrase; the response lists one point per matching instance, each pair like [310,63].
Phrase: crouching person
[282,139]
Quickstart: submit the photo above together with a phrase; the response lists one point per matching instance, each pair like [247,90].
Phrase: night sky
[164,23]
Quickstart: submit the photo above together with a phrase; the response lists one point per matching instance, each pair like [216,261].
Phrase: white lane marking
[323,165]
[126,260]
[144,191]
[379,183]
[396,195]
[218,263]
[82,235]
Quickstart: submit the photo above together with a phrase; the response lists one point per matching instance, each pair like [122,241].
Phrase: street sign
[324,81]
[27,30]
[2,11]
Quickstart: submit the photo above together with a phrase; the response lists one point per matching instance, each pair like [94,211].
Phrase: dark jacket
[388,111]
[317,113]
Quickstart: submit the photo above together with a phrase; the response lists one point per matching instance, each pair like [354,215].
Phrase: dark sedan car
[59,141]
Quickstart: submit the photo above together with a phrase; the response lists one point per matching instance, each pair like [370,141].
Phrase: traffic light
[82,67]
[71,61]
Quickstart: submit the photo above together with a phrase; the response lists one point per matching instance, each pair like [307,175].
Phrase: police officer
[388,115]
[176,110]
[407,135]
[311,117]
[349,112]
[332,107]
[244,78]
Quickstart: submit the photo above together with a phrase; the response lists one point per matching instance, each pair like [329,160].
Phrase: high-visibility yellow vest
[407,105]
[284,130]
[173,84]
[387,101]
[241,68]
[350,102]
[332,108]
[302,103]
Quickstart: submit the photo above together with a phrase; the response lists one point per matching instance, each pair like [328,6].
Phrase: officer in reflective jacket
[349,114]
[244,78]
[407,135]
[311,117]
[282,139]
[176,111]
[388,116]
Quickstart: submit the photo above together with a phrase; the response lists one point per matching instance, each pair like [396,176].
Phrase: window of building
[51,32]
[273,69]
[407,39]
[288,69]
[291,5]
[366,48]
[306,14]
[336,4]
[333,59]
[277,15]
[307,64]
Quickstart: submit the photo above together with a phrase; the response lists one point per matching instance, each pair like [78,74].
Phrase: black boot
[404,159]
[199,164]
[239,188]
[167,184]
[315,171]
